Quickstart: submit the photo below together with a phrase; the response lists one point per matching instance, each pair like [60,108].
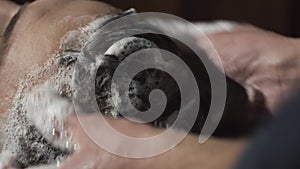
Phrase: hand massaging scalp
[35,133]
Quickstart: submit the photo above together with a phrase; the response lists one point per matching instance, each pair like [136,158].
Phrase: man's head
[32,35]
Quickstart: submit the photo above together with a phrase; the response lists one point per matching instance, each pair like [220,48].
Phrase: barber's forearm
[190,154]
[297,44]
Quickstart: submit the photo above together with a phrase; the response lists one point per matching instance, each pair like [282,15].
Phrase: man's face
[34,35]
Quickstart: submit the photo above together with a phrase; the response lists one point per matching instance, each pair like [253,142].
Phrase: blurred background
[281,16]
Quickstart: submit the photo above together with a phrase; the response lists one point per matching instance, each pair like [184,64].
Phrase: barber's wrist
[176,158]
[190,154]
[296,42]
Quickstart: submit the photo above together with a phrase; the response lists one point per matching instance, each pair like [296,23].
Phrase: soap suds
[44,93]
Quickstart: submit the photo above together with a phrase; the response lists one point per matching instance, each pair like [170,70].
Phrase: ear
[7,10]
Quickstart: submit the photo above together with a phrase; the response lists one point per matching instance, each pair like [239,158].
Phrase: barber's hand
[189,154]
[264,60]
[92,156]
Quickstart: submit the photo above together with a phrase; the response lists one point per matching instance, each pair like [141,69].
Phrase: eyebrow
[8,31]
[4,38]
[10,26]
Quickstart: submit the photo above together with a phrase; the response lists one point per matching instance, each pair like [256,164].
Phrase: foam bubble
[45,92]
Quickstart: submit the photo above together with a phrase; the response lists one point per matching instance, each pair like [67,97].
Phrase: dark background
[281,16]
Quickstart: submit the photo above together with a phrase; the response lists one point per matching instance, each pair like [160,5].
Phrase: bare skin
[264,60]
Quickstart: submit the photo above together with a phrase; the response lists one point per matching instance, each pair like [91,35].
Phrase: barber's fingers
[90,155]
[54,166]
[80,160]
[93,158]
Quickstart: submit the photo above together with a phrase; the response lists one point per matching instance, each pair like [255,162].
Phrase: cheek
[9,78]
[32,50]
[23,56]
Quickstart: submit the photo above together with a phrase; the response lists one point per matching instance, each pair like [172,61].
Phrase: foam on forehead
[75,40]
[20,132]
